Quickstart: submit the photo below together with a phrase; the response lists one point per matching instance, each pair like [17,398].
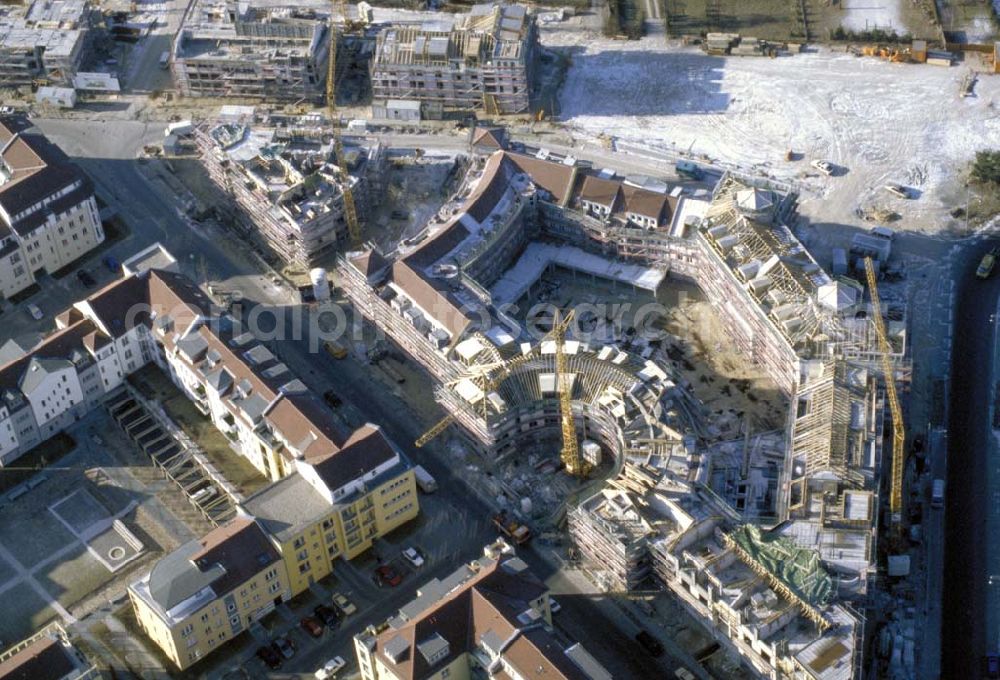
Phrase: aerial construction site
[399,320]
[767,530]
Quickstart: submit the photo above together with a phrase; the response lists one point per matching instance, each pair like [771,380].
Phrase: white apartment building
[48,213]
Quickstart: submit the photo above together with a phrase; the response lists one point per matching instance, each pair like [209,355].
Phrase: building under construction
[257,50]
[44,44]
[480,61]
[285,191]
[769,538]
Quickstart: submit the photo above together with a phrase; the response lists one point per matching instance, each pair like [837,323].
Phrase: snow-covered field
[878,122]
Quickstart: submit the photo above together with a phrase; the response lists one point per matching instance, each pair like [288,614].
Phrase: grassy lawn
[155,385]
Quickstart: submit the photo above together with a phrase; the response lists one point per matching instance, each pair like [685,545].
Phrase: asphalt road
[969,622]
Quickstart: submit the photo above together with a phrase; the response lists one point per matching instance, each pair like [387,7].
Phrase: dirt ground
[699,349]
[731,388]
[779,19]
[415,189]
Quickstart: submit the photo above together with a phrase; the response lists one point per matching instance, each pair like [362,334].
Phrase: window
[274,587]
[304,567]
[204,617]
[445,672]
[299,542]
[302,555]
[234,620]
[231,607]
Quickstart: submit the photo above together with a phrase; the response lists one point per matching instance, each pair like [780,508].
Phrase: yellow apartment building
[209,591]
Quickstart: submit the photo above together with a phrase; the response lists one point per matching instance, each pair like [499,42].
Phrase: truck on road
[511,528]
[425,481]
[690,170]
[335,349]
[937,493]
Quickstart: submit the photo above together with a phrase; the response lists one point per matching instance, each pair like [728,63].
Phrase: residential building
[255,50]
[283,189]
[336,506]
[97,344]
[490,618]
[46,655]
[209,591]
[48,212]
[482,61]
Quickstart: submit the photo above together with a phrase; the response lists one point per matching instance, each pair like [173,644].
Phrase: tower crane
[898,429]
[570,454]
[350,209]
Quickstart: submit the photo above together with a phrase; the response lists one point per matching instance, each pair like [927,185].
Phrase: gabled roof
[369,262]
[38,169]
[646,203]
[433,297]
[600,191]
[223,558]
[38,369]
[489,138]
[482,611]
[555,178]
[365,450]
[120,306]
[59,345]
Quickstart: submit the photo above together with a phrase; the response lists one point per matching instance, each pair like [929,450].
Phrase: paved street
[971,616]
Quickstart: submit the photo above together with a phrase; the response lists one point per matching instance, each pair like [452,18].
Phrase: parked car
[111,263]
[554,606]
[386,575]
[826,167]
[284,646]
[85,278]
[649,643]
[413,557]
[270,657]
[897,190]
[328,615]
[35,312]
[330,668]
[344,605]
[986,265]
[332,399]
[311,625]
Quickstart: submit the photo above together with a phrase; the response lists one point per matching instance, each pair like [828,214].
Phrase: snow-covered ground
[878,122]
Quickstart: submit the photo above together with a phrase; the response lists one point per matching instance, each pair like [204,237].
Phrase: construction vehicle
[335,349]
[350,209]
[425,480]
[889,376]
[511,528]
[689,170]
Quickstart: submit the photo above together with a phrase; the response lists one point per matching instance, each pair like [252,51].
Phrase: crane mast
[350,209]
[570,454]
[898,430]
